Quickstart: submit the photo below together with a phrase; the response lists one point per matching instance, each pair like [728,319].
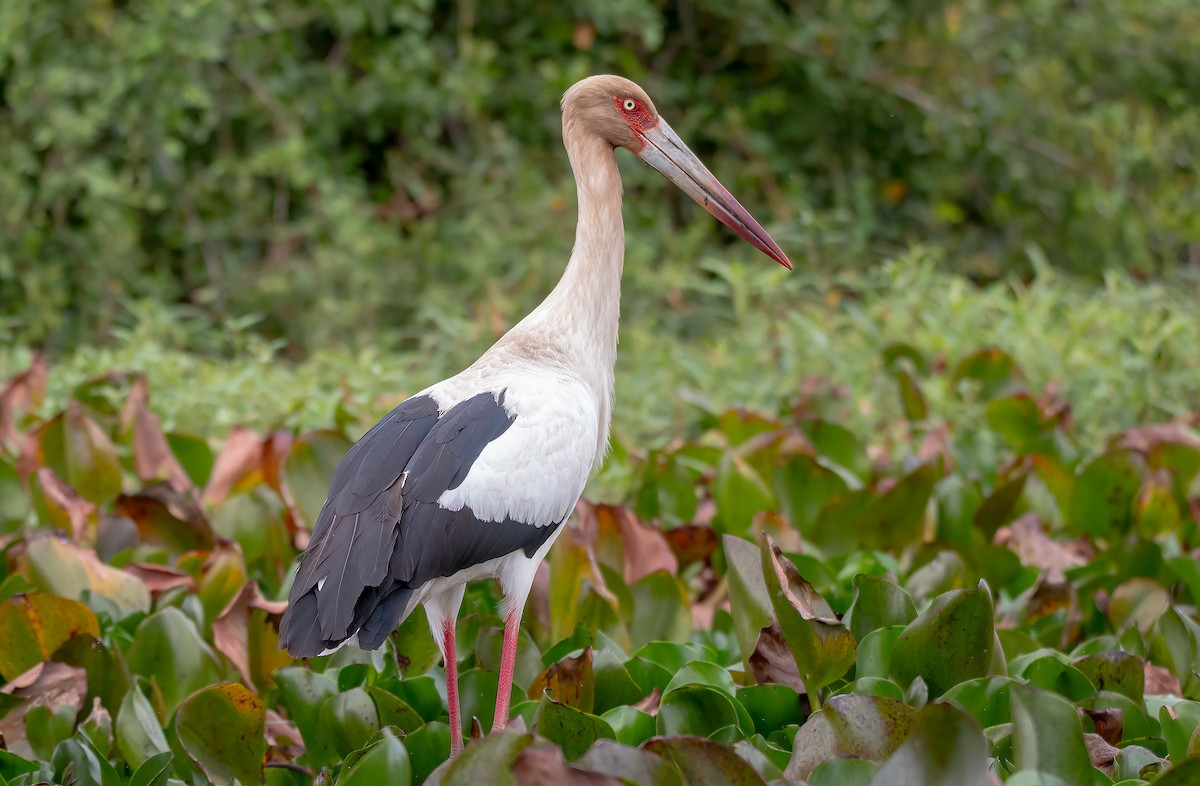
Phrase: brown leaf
[167,518]
[644,549]
[153,458]
[692,543]
[48,684]
[1160,681]
[160,578]
[649,705]
[274,451]
[241,455]
[1145,439]
[63,499]
[232,631]
[543,765]
[1027,538]
[1101,753]
[283,738]
[1109,724]
[21,394]
[937,445]
[569,681]
[772,661]
[1047,597]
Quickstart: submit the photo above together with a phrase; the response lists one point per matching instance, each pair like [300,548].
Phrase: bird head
[618,111]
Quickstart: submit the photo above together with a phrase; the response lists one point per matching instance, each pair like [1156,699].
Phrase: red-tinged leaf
[166,518]
[20,395]
[275,451]
[240,457]
[693,543]
[242,634]
[822,646]
[159,578]
[62,568]
[643,550]
[65,509]
[307,471]
[46,684]
[80,452]
[153,458]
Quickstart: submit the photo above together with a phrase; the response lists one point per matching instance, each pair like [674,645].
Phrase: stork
[473,477]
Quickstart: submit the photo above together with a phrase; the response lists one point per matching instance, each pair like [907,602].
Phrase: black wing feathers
[381,534]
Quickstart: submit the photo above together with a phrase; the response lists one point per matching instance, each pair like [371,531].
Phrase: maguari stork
[473,477]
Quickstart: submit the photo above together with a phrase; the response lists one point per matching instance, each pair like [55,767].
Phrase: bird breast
[536,470]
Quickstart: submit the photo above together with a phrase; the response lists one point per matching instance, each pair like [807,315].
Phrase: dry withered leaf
[166,517]
[772,661]
[644,549]
[241,455]
[1027,538]
[1145,439]
[48,684]
[1109,724]
[1160,681]
[543,765]
[649,705]
[692,543]
[22,393]
[1101,753]
[284,739]
[160,578]
[569,681]
[153,458]
[1047,597]
[76,510]
[275,450]
[232,635]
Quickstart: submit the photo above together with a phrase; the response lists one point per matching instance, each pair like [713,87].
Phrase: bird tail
[385,618]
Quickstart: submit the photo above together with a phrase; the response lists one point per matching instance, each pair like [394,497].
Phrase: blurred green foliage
[318,163]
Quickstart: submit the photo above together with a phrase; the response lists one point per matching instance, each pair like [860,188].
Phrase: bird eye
[630,105]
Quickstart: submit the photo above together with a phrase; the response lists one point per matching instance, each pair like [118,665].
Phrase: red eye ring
[635,112]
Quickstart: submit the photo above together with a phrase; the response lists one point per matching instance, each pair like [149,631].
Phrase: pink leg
[456,732]
[508,661]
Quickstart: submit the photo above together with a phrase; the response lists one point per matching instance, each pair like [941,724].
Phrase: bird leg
[456,732]
[508,662]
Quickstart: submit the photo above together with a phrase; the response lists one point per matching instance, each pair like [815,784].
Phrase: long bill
[667,153]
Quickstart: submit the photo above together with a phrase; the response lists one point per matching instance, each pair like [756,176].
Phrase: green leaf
[660,609]
[614,686]
[945,748]
[427,747]
[630,765]
[34,626]
[486,761]
[139,737]
[1047,735]
[739,493]
[154,771]
[949,642]
[696,709]
[896,518]
[749,602]
[877,603]
[79,452]
[1187,773]
[987,699]
[1102,502]
[384,761]
[821,645]
[303,692]
[991,371]
[771,707]
[168,648]
[350,719]
[1138,603]
[60,567]
[843,772]
[1017,419]
[630,725]
[865,727]
[221,728]
[571,729]
[308,467]
[1115,671]
[704,762]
